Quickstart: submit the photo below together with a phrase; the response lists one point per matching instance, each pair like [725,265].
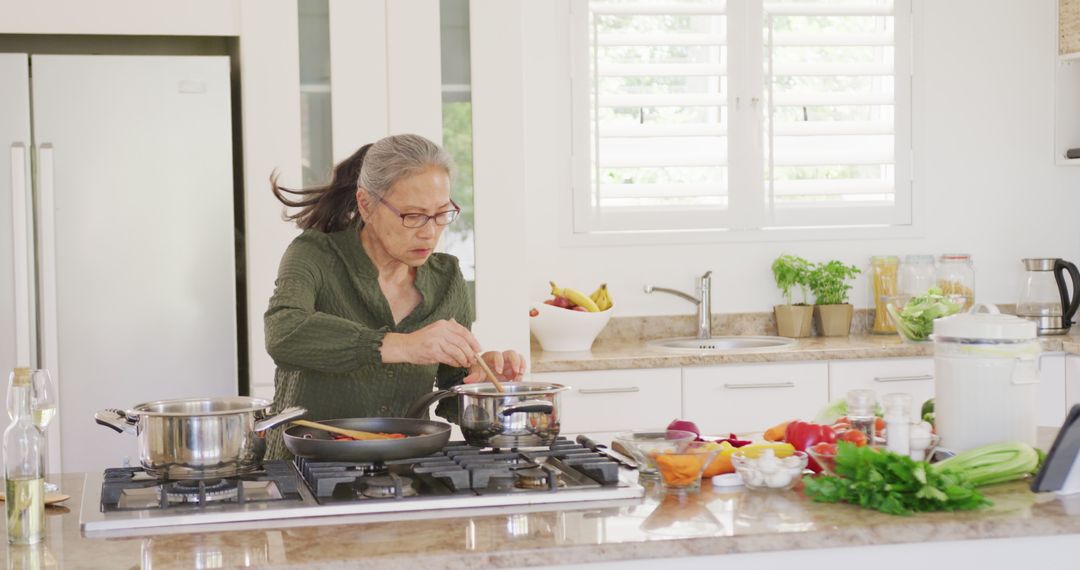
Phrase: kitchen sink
[719,344]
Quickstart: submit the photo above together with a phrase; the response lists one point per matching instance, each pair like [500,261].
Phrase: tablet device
[1061,461]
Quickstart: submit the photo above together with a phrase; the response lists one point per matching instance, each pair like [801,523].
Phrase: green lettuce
[915,321]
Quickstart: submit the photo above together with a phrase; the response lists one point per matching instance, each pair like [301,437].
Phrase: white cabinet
[1051,400]
[610,401]
[745,398]
[914,376]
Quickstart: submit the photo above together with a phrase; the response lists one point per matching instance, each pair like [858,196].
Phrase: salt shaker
[860,405]
[898,423]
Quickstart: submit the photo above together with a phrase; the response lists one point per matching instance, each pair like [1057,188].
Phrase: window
[714,115]
[460,236]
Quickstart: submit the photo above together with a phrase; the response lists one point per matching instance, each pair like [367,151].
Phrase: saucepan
[424,437]
[526,414]
[198,438]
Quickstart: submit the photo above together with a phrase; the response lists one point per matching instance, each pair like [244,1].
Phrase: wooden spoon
[355,434]
[491,375]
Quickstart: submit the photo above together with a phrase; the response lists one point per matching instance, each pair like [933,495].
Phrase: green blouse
[326,322]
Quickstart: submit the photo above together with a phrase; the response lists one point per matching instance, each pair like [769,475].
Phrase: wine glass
[42,398]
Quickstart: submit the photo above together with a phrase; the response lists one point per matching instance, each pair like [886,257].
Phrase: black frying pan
[425,437]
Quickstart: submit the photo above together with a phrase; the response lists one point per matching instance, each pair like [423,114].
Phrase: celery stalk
[990,464]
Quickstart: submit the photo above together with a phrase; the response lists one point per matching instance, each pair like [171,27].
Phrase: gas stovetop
[458,477]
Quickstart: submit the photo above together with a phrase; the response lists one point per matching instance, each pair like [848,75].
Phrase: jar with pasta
[956,278]
[883,281]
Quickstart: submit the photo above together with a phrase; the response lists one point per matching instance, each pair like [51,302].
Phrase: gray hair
[399,156]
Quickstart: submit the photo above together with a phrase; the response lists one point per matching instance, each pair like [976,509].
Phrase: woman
[365,317]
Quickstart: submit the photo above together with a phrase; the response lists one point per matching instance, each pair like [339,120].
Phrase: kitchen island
[717,526]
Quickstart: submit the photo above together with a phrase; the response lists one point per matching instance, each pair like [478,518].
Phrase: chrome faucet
[703,302]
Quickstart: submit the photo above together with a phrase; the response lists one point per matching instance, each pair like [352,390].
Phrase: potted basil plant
[792,320]
[829,282]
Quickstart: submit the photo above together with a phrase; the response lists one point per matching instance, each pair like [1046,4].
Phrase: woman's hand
[507,365]
[441,342]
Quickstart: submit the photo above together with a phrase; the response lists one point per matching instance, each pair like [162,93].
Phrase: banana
[601,297]
[574,296]
[581,299]
[595,295]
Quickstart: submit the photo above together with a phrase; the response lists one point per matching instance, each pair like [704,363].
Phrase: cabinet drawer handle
[760,385]
[916,378]
[609,390]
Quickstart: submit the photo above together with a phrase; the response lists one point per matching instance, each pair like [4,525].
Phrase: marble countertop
[621,353]
[714,521]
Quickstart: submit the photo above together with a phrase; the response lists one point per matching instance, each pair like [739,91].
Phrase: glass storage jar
[916,274]
[956,278]
[883,282]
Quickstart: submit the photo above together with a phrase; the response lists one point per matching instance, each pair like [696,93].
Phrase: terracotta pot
[793,321]
[834,320]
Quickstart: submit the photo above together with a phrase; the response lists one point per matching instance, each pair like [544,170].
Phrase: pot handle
[281,417]
[116,419]
[1026,370]
[417,409]
[542,406]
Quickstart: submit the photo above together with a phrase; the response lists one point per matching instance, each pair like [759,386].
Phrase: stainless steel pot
[525,415]
[198,438]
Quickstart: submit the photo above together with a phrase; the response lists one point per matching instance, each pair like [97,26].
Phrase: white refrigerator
[117,239]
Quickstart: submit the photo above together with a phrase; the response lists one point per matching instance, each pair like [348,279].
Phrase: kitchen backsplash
[623,329]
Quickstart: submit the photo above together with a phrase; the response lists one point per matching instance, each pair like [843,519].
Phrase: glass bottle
[898,423]
[956,278]
[883,281]
[860,406]
[24,468]
[917,275]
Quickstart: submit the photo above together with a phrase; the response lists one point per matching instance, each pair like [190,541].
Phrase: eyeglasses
[421,220]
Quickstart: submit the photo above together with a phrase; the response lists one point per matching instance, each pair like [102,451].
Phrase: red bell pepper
[804,434]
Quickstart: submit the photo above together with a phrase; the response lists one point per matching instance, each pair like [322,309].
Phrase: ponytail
[328,208]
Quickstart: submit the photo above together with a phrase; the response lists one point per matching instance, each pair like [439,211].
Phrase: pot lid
[984,326]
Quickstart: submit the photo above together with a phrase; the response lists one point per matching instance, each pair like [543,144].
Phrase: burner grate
[464,469]
[131,489]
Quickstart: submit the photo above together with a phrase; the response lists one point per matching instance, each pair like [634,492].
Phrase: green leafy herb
[916,319]
[891,483]
[829,282]
[789,271]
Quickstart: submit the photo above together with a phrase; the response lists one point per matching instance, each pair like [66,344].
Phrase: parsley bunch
[891,483]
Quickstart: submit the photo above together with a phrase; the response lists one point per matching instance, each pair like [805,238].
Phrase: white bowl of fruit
[570,320]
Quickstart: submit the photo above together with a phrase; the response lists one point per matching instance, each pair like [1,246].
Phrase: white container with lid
[986,368]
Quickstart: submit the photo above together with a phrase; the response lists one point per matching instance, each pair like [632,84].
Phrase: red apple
[562,302]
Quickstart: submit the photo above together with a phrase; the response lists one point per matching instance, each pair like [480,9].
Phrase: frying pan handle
[542,406]
[281,417]
[419,407]
[116,420]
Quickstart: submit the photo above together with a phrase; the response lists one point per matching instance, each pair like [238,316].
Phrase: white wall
[986,182]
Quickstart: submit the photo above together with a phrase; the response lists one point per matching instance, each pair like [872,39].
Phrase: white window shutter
[740,114]
[835,85]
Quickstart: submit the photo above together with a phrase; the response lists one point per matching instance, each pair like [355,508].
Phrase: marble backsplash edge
[629,329]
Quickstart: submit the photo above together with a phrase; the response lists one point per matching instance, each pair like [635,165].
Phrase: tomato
[854,436]
[824,448]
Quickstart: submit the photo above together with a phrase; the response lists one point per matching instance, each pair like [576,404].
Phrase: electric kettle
[1044,297]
